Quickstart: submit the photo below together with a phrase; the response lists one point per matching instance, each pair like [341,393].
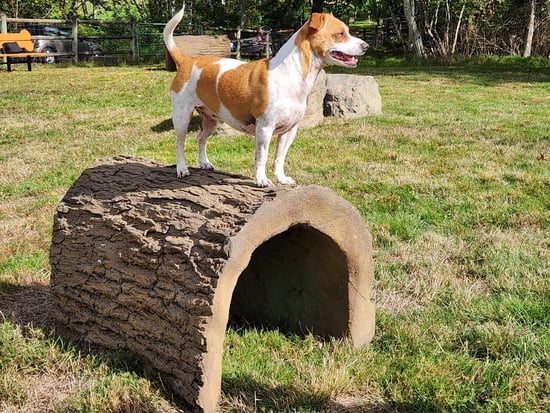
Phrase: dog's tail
[168,36]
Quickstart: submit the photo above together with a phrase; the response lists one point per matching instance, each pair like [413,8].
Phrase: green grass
[452,179]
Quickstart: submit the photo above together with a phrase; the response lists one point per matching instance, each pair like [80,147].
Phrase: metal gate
[149,42]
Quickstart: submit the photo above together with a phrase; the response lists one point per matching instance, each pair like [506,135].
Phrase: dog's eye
[339,35]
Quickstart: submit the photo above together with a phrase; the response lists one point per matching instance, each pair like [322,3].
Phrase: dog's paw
[181,172]
[286,180]
[263,183]
[207,165]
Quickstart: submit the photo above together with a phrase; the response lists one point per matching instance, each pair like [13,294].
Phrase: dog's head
[329,38]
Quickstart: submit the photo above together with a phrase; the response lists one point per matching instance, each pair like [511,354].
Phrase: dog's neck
[295,60]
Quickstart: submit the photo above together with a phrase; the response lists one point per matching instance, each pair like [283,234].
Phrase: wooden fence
[135,41]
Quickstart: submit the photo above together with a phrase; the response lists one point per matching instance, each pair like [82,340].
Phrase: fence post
[3,23]
[238,40]
[3,29]
[268,45]
[133,40]
[75,40]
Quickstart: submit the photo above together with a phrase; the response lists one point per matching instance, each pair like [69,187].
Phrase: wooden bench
[23,40]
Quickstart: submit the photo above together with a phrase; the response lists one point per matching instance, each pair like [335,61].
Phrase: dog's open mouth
[343,58]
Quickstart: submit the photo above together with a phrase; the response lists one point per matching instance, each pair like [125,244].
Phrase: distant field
[453,180]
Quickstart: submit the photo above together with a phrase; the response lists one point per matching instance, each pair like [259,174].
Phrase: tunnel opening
[296,282]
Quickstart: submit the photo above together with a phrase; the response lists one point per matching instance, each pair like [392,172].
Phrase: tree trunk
[530,29]
[317,6]
[156,265]
[396,24]
[455,39]
[415,38]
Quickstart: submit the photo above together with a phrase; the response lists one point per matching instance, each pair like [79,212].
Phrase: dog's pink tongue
[347,59]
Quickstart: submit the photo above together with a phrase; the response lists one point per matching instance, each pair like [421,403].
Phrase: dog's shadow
[167,125]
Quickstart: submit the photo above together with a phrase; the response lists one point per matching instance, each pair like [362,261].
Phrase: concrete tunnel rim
[347,230]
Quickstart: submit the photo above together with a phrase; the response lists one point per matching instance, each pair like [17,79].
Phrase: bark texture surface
[203,45]
[146,262]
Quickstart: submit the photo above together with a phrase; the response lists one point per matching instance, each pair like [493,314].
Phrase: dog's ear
[316,21]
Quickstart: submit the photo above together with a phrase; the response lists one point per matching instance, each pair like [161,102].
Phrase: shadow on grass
[246,395]
[31,307]
[253,396]
[26,306]
[167,125]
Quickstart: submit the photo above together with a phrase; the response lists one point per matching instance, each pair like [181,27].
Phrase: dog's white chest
[289,119]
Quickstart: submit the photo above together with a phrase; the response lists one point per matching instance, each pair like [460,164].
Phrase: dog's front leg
[263,138]
[283,144]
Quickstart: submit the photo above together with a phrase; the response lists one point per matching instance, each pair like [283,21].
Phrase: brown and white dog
[263,97]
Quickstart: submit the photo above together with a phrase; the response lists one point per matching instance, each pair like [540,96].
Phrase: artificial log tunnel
[146,262]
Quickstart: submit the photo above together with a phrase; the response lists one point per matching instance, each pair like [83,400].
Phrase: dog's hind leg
[181,119]
[208,126]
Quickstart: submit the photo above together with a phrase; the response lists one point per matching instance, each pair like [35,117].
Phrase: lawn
[453,181]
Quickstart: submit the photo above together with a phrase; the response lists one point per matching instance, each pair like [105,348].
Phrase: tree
[415,37]
[530,29]
[317,6]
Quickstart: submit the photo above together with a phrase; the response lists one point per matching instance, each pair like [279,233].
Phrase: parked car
[61,42]
[253,44]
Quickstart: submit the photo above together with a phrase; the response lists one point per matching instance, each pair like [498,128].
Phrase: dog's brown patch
[207,83]
[185,66]
[302,43]
[244,90]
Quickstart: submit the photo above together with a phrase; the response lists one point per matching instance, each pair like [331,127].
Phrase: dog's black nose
[365,46]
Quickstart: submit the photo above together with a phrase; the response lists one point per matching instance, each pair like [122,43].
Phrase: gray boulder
[352,96]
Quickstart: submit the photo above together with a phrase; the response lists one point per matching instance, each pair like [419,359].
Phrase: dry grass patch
[26,225]
[41,393]
[430,265]
[16,169]
[357,403]
[433,265]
